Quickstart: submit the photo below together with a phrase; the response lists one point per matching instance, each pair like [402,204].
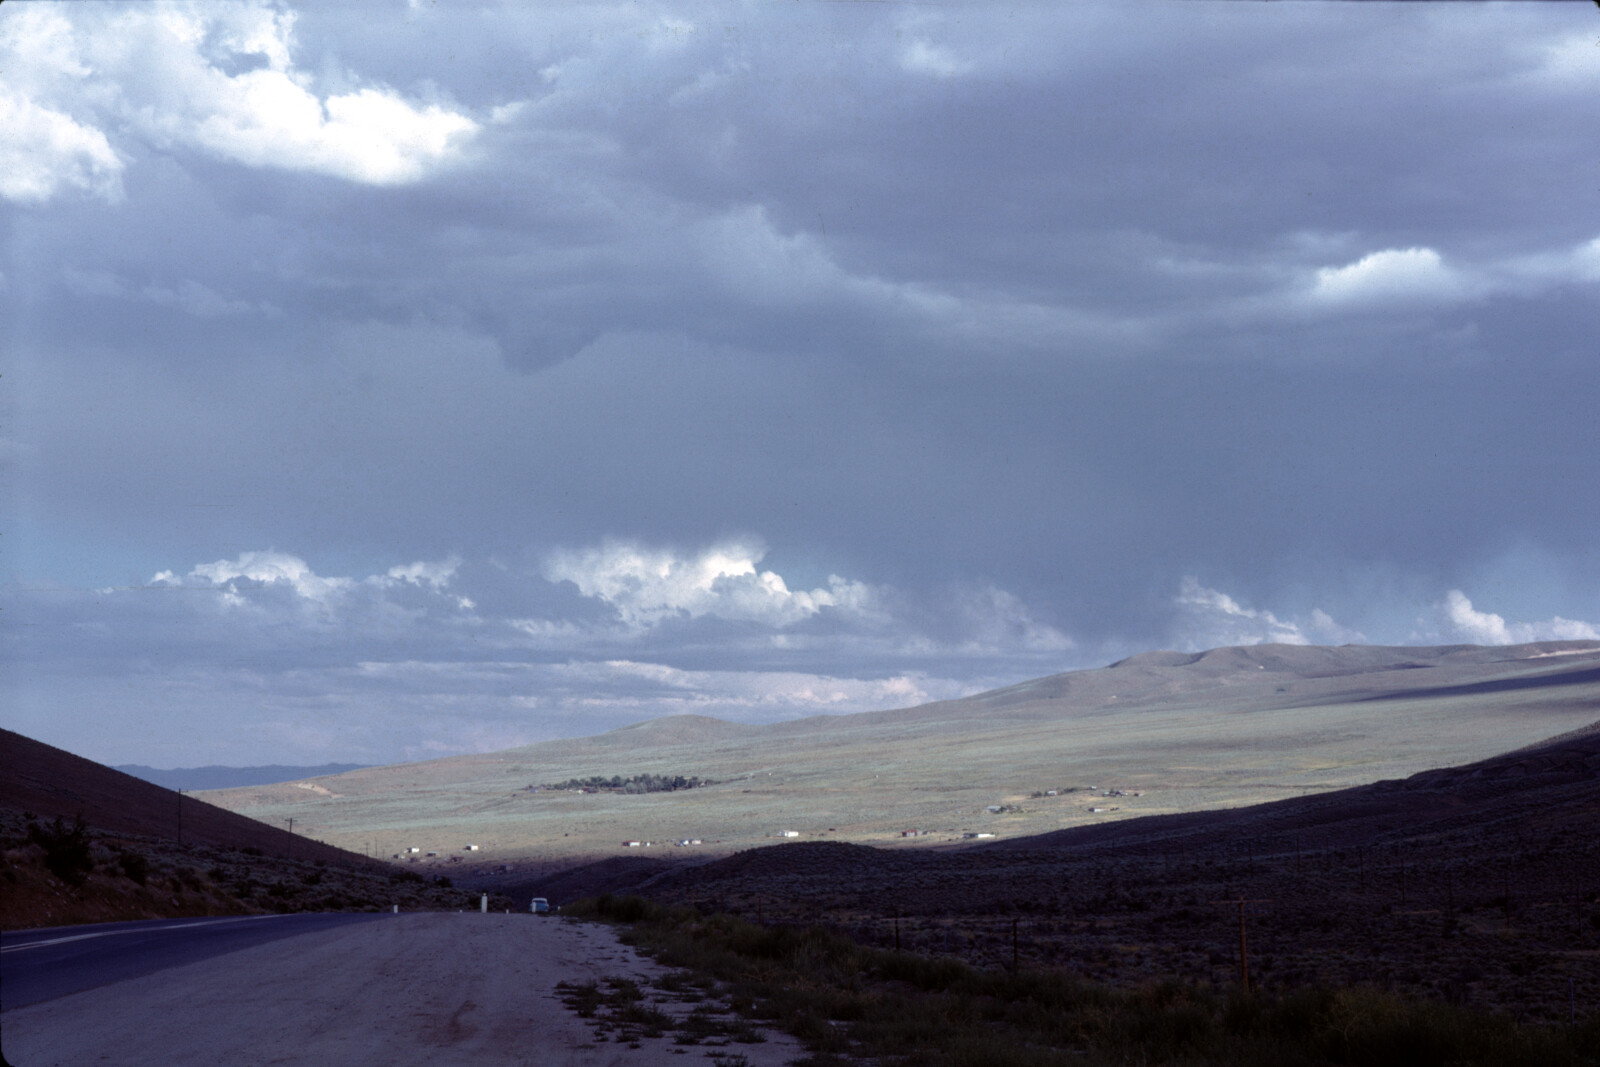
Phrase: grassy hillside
[1170,732]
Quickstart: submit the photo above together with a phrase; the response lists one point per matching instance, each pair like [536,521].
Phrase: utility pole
[180,816]
[1244,948]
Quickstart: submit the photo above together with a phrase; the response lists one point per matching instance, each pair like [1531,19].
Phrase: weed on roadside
[620,1012]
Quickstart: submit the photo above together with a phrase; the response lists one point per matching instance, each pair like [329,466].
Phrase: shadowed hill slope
[1550,784]
[1478,883]
[35,777]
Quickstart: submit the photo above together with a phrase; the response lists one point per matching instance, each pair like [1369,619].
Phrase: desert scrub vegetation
[66,848]
[58,872]
[622,1010]
[852,1004]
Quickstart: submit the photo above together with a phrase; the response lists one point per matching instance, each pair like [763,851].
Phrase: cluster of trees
[637,783]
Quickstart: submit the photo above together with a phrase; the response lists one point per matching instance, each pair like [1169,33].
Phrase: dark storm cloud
[1051,334]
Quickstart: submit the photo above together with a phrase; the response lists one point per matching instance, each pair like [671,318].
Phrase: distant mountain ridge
[219,777]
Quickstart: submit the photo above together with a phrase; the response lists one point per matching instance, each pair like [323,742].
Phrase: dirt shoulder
[420,989]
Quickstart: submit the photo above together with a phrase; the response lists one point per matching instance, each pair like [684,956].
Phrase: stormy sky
[383,381]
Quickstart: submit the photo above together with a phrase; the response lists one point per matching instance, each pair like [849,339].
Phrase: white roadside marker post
[483,905]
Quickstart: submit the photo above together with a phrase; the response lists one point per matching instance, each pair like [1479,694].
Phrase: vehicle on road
[539,906]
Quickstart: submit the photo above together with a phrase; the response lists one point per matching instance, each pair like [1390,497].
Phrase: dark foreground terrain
[83,843]
[1477,885]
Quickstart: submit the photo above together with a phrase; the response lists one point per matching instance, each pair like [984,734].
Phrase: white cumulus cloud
[397,657]
[1210,618]
[1541,270]
[646,585]
[43,152]
[436,575]
[1406,278]
[1462,622]
[269,116]
[1392,274]
[748,696]
[221,78]
[267,119]
[267,567]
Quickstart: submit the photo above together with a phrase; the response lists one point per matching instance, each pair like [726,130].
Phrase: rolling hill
[1159,733]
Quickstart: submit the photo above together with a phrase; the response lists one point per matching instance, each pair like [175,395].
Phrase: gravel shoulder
[418,989]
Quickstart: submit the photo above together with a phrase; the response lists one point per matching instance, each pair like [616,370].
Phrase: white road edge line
[140,930]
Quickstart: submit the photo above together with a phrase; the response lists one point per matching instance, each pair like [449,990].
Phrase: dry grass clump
[626,1012]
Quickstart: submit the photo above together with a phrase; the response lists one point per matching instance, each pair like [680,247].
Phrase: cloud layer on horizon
[434,657]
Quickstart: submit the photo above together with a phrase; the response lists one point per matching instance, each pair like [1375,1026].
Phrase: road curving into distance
[424,989]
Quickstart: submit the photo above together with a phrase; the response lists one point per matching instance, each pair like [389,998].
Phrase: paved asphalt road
[419,989]
[40,965]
